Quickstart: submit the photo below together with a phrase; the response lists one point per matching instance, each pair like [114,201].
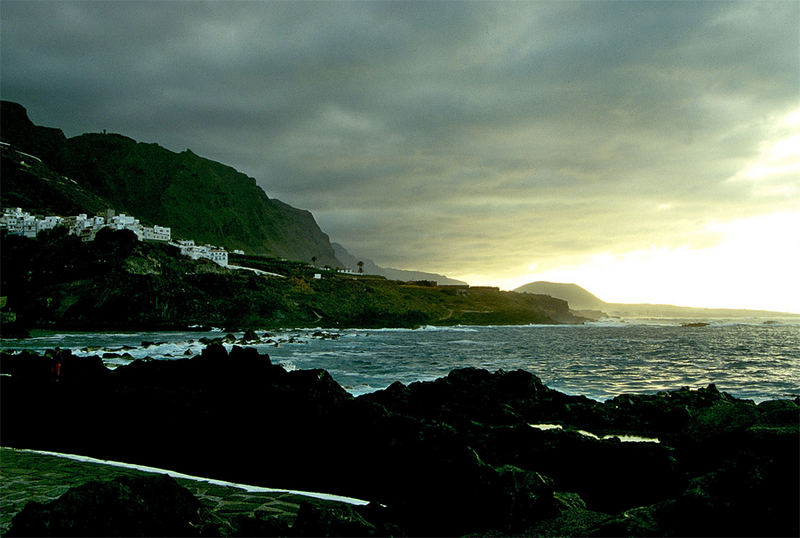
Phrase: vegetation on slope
[116,282]
[29,183]
[198,198]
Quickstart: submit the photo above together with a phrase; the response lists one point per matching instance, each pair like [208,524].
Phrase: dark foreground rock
[453,456]
[146,506]
[157,505]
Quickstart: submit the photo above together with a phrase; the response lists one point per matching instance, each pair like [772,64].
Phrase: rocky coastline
[58,282]
[474,452]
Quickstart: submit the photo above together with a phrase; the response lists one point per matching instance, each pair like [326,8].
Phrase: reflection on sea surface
[754,360]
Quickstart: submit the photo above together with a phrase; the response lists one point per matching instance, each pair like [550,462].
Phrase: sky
[648,151]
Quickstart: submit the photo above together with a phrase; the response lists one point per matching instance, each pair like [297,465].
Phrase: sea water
[754,359]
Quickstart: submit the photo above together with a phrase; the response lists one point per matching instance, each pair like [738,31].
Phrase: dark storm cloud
[459,137]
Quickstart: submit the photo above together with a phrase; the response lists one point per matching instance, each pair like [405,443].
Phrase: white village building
[215,254]
[18,222]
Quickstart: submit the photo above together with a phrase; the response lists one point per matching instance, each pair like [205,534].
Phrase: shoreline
[575,360]
[175,474]
[779,319]
[31,475]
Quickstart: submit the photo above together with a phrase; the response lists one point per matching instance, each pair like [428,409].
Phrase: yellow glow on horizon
[755,266]
[754,263]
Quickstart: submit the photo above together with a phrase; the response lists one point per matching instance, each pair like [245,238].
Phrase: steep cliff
[198,198]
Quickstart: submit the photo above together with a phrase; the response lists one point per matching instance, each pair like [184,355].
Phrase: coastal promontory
[117,282]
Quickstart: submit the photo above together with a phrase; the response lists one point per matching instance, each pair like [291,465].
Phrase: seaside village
[15,221]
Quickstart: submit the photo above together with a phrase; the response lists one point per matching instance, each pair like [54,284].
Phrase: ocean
[754,359]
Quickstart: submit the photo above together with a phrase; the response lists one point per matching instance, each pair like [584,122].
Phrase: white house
[123,222]
[48,223]
[13,220]
[29,228]
[188,248]
[18,222]
[218,255]
[156,233]
[215,254]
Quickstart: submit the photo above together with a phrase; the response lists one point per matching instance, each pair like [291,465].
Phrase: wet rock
[737,499]
[250,336]
[58,366]
[262,526]
[27,365]
[608,474]
[323,335]
[332,520]
[149,506]
[242,355]
[214,351]
[777,412]
[723,416]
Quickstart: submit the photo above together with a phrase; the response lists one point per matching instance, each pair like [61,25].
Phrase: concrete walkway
[29,476]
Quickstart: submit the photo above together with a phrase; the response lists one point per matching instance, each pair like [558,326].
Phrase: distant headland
[586,304]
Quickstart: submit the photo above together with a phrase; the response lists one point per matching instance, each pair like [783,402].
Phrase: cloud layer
[469,138]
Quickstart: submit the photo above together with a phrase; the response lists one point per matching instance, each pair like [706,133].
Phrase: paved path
[28,476]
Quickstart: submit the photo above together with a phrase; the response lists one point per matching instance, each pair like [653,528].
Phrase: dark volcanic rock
[250,336]
[608,474]
[744,498]
[468,395]
[148,506]
[343,520]
[55,365]
[452,456]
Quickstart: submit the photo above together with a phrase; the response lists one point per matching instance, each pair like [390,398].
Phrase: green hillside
[117,282]
[198,198]
[31,184]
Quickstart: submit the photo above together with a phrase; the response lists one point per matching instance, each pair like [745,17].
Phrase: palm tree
[360,266]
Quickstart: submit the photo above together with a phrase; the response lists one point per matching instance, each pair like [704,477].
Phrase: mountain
[198,198]
[589,305]
[577,297]
[370,268]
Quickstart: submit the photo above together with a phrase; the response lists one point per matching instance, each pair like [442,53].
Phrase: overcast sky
[635,147]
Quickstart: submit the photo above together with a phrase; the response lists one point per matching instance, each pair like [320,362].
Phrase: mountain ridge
[198,198]
[370,267]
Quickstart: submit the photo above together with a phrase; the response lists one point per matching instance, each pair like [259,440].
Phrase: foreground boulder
[146,506]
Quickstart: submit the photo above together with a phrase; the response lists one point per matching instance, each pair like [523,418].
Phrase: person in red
[58,364]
